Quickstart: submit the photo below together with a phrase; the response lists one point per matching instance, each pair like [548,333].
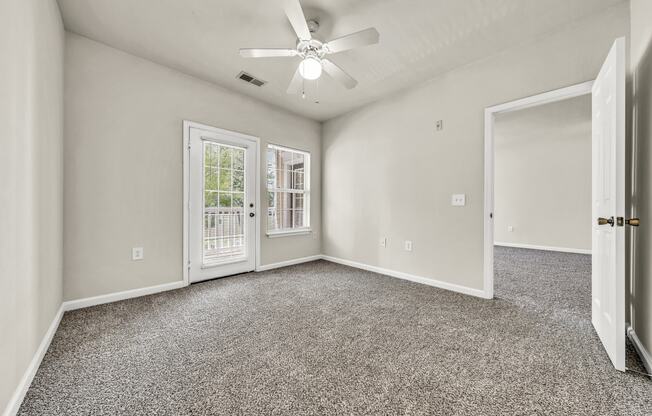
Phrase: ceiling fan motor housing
[314,48]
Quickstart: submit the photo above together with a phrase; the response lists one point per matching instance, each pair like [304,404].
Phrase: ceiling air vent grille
[251,79]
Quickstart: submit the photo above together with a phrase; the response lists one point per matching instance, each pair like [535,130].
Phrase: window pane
[297,161]
[285,170]
[272,223]
[224,211]
[238,180]
[238,200]
[271,199]
[283,179]
[225,203]
[298,218]
[238,159]
[225,179]
[226,153]
[210,154]
[210,178]
[286,218]
[271,159]
[210,199]
[271,178]
[297,201]
[284,159]
[297,180]
[283,200]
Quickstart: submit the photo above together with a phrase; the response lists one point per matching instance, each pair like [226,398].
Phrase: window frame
[306,229]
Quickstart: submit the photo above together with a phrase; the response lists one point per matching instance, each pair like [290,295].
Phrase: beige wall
[542,183]
[123,166]
[31,181]
[388,172]
[641,64]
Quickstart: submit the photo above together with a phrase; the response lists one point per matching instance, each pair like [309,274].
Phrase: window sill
[288,233]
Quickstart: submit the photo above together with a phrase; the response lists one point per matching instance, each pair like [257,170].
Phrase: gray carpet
[324,339]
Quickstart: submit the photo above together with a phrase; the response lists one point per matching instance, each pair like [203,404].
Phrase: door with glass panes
[222,228]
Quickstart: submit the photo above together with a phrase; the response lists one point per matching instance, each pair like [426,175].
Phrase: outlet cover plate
[458,200]
[137,253]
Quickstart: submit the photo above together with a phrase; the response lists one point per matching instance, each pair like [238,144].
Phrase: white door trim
[187,125]
[489,119]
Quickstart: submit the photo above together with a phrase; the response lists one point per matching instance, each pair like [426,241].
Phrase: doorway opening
[542,207]
[608,219]
[491,115]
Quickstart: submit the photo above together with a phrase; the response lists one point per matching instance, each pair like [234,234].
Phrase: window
[224,193]
[288,190]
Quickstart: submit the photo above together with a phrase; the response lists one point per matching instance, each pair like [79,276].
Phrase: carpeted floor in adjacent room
[325,339]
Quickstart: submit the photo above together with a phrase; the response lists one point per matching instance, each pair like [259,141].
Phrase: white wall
[31,181]
[542,181]
[123,166]
[387,172]
[641,64]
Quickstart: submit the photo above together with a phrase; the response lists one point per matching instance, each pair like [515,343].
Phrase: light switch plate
[408,245]
[383,242]
[510,228]
[458,200]
[137,253]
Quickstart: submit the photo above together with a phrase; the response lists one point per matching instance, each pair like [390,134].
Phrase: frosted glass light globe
[310,68]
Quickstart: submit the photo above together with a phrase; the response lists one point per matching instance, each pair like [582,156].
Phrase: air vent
[251,79]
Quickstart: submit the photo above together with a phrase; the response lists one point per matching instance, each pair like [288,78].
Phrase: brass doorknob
[634,222]
[605,221]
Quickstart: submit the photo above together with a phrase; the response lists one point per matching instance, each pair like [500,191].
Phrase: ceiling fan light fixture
[310,68]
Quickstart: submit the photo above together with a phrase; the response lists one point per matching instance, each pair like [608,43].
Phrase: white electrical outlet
[137,253]
[510,228]
[383,242]
[458,200]
[408,245]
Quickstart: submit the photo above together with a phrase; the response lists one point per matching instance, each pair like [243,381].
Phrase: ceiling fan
[312,51]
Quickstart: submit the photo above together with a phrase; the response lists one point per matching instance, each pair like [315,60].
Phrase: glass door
[222,203]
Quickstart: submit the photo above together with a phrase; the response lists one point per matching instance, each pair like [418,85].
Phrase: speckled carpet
[325,339]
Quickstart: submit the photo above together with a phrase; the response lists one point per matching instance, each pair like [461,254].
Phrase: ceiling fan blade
[362,38]
[296,83]
[337,73]
[294,12]
[267,53]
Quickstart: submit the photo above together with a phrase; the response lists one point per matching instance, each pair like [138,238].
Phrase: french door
[222,203]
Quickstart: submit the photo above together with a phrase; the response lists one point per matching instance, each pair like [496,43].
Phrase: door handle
[605,221]
[634,222]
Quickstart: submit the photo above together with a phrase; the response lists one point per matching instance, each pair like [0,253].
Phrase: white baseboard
[19,394]
[546,248]
[114,297]
[406,276]
[645,355]
[288,263]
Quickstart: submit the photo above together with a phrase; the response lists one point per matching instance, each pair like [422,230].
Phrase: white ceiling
[419,39]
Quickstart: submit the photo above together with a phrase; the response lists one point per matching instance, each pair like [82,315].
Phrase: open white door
[608,276]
